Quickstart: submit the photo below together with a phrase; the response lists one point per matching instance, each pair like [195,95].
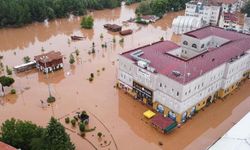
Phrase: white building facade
[208,12]
[180,80]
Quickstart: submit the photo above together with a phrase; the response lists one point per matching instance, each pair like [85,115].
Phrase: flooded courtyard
[112,112]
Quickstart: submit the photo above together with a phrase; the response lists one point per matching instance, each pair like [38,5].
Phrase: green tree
[82,127]
[246,9]
[6,81]
[144,8]
[8,70]
[55,137]
[26,59]
[19,133]
[87,22]
[71,59]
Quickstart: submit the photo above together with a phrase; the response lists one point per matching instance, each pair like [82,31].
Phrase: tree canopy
[16,13]
[246,9]
[6,81]
[19,133]
[87,22]
[28,136]
[55,137]
[159,7]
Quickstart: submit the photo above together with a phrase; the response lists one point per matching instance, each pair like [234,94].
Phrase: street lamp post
[50,98]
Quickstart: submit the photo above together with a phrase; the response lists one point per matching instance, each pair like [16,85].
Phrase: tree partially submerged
[6,81]
[87,22]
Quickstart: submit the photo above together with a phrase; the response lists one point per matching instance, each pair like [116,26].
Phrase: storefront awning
[149,114]
[164,123]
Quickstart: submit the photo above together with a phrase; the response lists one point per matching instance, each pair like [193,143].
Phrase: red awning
[162,122]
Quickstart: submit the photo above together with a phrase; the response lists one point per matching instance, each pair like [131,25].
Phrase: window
[202,46]
[185,43]
[177,93]
[160,84]
[194,46]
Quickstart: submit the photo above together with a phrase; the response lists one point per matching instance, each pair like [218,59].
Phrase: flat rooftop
[192,68]
[207,31]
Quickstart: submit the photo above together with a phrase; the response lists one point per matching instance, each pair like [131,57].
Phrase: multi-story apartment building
[229,21]
[178,80]
[207,10]
[229,6]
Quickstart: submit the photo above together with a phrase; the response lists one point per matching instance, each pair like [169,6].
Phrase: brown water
[114,113]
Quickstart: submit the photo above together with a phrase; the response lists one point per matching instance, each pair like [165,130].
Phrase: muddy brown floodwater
[113,112]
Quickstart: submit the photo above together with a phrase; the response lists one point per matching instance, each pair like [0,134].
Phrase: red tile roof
[162,122]
[192,68]
[207,31]
[4,146]
[52,55]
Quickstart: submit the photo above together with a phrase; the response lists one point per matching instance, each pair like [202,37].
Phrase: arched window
[194,46]
[185,43]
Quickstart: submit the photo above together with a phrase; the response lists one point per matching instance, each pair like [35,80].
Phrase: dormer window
[202,46]
[194,46]
[185,43]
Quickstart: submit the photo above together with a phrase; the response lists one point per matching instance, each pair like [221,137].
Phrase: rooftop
[237,138]
[207,31]
[162,122]
[48,57]
[4,146]
[192,68]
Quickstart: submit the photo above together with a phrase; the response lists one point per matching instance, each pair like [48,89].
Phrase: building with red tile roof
[49,62]
[209,63]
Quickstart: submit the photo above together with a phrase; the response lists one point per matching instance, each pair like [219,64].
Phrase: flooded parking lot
[112,111]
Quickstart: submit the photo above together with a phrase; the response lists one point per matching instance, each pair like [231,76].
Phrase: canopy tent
[163,123]
[149,114]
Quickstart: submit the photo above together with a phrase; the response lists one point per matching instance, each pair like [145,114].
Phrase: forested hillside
[16,13]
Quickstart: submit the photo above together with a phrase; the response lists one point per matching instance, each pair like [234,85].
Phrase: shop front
[143,93]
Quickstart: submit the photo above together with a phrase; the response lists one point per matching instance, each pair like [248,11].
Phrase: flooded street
[112,111]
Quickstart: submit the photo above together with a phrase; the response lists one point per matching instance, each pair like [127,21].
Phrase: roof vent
[176,73]
[151,69]
[136,55]
[142,64]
